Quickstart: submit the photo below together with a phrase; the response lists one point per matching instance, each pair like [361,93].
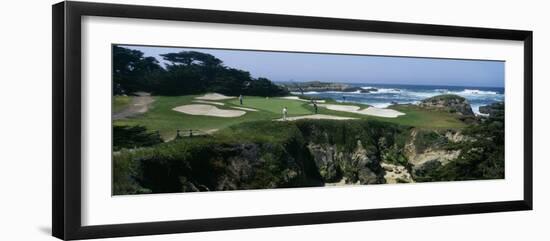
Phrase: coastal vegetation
[268,154]
[481,157]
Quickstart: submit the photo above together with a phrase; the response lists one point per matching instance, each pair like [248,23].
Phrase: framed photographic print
[170,120]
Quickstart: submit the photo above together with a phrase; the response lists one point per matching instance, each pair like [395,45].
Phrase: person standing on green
[241,99]
[285,112]
[315,107]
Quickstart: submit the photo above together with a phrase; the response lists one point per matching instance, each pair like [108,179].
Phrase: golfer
[285,112]
[241,99]
[315,107]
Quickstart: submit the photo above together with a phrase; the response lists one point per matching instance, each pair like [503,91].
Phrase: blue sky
[287,66]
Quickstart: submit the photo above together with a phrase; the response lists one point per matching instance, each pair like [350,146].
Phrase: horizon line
[373,83]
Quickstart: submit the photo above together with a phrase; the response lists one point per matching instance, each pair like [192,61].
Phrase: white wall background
[25,120]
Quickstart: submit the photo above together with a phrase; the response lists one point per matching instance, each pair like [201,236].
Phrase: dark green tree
[133,137]
[187,72]
[133,72]
[188,58]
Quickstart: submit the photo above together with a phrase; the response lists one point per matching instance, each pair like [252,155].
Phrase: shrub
[133,137]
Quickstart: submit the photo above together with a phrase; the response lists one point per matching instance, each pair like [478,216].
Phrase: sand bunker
[373,111]
[388,113]
[317,117]
[298,98]
[208,102]
[214,96]
[208,110]
[243,108]
[346,108]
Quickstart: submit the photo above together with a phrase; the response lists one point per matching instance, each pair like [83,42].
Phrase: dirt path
[138,105]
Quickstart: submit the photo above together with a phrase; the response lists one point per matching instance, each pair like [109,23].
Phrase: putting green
[274,105]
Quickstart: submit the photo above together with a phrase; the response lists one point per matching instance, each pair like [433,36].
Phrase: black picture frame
[66,198]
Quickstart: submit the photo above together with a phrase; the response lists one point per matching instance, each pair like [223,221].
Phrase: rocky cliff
[335,164]
[312,153]
[450,103]
[426,150]
[493,110]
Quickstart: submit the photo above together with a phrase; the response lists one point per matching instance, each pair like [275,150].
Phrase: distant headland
[323,86]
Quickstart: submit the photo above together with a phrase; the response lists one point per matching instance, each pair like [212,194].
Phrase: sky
[299,67]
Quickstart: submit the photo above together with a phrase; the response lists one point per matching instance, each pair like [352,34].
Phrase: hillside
[267,154]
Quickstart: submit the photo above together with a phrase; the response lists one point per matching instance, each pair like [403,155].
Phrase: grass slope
[426,119]
[161,117]
[121,102]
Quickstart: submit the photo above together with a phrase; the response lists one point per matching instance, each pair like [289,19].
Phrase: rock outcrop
[324,86]
[493,109]
[314,86]
[355,167]
[455,136]
[327,160]
[428,152]
[450,103]
[396,174]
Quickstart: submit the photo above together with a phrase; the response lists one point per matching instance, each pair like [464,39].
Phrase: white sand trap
[208,110]
[214,96]
[317,117]
[298,98]
[243,108]
[373,111]
[346,108]
[210,131]
[388,113]
[208,102]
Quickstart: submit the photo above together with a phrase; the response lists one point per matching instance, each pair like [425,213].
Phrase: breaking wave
[384,96]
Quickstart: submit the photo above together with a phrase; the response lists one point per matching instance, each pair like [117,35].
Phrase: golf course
[193,123]
[161,114]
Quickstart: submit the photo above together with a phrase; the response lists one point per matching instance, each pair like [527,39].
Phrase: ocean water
[413,94]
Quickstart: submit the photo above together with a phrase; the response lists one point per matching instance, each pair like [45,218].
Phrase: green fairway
[121,102]
[274,105]
[161,117]
[429,119]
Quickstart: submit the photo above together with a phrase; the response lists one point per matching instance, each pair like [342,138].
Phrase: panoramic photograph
[198,119]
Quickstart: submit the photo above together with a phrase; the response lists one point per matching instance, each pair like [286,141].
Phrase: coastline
[385,95]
